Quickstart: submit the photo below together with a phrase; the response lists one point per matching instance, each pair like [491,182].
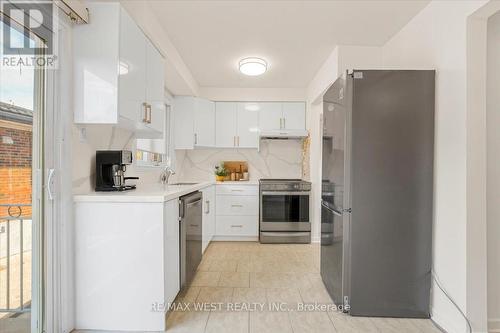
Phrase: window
[156,152]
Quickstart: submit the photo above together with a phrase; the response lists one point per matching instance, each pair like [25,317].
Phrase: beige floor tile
[188,295]
[424,325]
[347,324]
[315,294]
[244,266]
[291,296]
[311,322]
[315,279]
[270,322]
[239,255]
[394,325]
[271,274]
[230,322]
[223,265]
[301,281]
[206,279]
[204,265]
[269,280]
[215,295]
[234,279]
[187,322]
[249,295]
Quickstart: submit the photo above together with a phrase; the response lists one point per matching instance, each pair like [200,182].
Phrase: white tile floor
[287,275]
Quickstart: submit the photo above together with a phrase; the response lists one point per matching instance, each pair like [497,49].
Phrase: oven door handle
[285,193]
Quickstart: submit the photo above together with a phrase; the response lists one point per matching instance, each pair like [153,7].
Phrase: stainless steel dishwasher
[190,233]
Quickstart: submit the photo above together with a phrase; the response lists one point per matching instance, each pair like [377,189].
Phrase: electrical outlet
[83,135]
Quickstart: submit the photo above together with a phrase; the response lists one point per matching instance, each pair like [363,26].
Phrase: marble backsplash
[276,159]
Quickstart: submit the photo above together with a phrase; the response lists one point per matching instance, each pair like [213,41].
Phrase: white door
[204,123]
[294,115]
[225,124]
[132,65]
[155,85]
[30,171]
[248,125]
[270,116]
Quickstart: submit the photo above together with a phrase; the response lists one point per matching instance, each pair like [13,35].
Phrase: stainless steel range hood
[284,134]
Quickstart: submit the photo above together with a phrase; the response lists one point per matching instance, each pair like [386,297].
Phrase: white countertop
[152,193]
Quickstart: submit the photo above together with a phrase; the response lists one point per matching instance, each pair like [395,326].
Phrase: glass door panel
[21,89]
[285,208]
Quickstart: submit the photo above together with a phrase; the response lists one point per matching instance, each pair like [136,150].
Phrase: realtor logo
[29,33]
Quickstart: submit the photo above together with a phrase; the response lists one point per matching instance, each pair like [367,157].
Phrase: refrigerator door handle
[334,211]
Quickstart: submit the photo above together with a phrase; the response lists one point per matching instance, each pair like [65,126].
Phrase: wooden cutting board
[234,166]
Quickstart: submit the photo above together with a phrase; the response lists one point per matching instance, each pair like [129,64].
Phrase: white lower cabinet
[237,213]
[171,250]
[237,205]
[246,226]
[126,263]
[208,217]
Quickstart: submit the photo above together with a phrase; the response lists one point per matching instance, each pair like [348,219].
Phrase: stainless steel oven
[284,211]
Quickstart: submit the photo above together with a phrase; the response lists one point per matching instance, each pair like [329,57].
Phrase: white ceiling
[295,37]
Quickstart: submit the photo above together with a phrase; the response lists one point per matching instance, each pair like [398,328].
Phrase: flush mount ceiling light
[253,66]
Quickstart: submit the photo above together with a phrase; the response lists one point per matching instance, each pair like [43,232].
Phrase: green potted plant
[220,172]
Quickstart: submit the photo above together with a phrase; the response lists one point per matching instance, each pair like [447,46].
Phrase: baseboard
[235,238]
[494,325]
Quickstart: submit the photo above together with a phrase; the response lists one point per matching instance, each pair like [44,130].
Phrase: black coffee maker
[110,166]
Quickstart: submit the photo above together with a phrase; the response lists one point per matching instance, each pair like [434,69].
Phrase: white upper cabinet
[183,117]
[118,77]
[225,118]
[194,122]
[294,115]
[237,125]
[198,122]
[248,125]
[132,70]
[204,123]
[155,83]
[270,115]
[282,116]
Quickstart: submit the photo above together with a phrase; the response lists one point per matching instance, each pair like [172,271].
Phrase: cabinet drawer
[238,189]
[237,225]
[237,205]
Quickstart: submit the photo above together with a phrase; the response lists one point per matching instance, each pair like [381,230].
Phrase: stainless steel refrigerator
[377,192]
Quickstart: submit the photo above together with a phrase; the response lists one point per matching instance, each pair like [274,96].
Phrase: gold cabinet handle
[145,115]
[149,113]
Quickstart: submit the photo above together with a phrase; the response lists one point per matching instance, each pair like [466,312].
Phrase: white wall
[342,58]
[325,76]
[493,170]
[437,38]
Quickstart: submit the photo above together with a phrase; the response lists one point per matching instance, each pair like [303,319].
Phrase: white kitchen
[249,166]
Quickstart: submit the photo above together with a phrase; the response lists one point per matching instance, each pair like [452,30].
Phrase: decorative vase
[219,178]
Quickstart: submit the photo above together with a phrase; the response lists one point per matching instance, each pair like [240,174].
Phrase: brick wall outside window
[15,166]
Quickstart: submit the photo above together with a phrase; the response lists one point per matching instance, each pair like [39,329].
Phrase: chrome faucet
[165,175]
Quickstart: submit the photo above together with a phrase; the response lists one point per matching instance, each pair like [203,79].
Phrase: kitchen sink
[184,184]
